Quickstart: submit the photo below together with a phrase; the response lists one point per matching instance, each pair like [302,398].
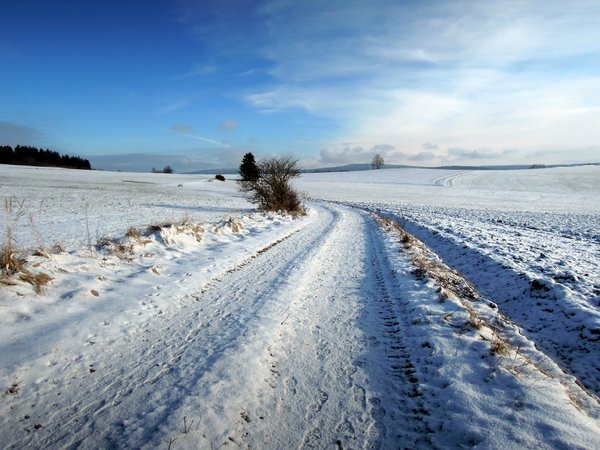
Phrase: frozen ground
[336,330]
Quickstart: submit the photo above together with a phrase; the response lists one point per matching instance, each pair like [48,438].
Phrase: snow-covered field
[222,327]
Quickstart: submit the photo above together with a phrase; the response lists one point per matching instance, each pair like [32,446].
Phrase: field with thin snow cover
[413,308]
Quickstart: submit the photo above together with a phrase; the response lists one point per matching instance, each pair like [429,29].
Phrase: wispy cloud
[183,129]
[229,125]
[174,106]
[188,131]
[462,154]
[12,133]
[198,70]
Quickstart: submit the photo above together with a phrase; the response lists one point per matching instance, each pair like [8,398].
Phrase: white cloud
[422,157]
[349,153]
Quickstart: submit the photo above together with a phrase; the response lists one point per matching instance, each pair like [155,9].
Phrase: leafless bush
[272,190]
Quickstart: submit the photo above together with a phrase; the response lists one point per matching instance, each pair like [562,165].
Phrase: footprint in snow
[377,411]
[312,439]
[359,396]
[320,400]
[290,386]
[345,428]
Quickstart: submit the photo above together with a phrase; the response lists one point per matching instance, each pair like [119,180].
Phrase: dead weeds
[38,280]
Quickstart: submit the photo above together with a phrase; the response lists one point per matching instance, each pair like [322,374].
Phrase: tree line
[32,156]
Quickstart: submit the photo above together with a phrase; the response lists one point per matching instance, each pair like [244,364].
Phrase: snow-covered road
[323,339]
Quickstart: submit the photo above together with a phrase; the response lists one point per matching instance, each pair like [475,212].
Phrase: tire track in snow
[342,375]
[317,396]
[403,411]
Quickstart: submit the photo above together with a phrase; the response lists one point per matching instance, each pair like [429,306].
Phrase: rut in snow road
[334,370]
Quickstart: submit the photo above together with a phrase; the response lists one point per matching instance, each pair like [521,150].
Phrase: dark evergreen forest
[32,156]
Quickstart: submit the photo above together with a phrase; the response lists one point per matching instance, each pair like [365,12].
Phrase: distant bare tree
[377,162]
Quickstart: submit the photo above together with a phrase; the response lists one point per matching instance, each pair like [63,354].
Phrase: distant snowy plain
[268,331]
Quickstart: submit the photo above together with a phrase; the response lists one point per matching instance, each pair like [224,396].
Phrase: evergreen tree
[6,155]
[31,156]
[248,168]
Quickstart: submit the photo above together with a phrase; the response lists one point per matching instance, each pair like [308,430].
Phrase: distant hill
[346,168]
[517,166]
[357,167]
[214,172]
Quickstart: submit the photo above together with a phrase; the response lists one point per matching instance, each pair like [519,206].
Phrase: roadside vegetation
[13,263]
[268,183]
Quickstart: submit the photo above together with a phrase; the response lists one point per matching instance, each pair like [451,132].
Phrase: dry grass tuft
[499,346]
[5,281]
[426,266]
[121,250]
[186,225]
[38,280]
[133,233]
[11,262]
[158,227]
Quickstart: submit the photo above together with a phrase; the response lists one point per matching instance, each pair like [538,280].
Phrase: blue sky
[196,84]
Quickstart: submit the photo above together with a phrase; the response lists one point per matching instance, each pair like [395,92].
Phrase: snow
[222,327]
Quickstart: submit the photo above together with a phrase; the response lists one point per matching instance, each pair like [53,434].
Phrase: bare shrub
[272,190]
